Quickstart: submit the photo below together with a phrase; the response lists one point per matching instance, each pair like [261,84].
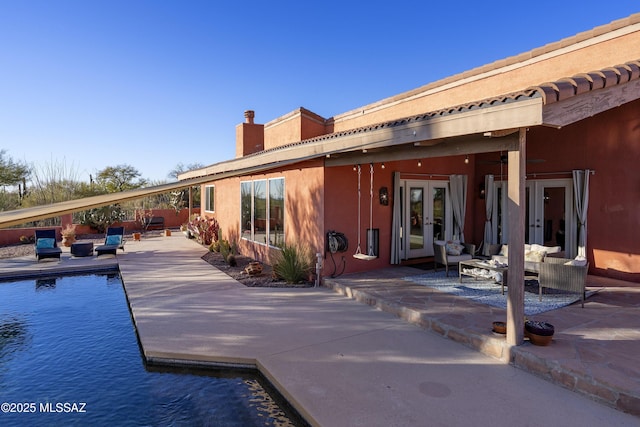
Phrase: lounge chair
[450,254]
[113,241]
[563,274]
[46,245]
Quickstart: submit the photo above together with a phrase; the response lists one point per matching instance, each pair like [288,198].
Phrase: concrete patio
[408,356]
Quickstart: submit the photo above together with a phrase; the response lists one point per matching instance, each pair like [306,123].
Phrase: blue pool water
[69,356]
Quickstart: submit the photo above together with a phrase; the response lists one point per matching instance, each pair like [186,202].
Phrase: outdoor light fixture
[419,163]
[384,196]
[382,166]
[466,160]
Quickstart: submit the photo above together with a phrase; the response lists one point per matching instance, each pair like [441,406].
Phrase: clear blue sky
[90,84]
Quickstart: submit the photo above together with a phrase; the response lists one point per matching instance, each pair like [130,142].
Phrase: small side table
[82,249]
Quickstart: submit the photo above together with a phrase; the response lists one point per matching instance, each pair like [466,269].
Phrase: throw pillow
[535,256]
[504,250]
[454,248]
[113,240]
[579,261]
[45,243]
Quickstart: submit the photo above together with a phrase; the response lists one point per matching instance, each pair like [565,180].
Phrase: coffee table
[484,265]
[82,249]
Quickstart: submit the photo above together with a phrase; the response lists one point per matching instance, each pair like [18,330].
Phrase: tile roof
[550,92]
[572,86]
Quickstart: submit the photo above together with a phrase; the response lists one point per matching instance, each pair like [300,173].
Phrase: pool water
[69,355]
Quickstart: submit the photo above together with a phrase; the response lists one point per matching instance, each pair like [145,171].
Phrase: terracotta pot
[539,333]
[500,327]
[167,233]
[67,241]
[136,236]
[536,339]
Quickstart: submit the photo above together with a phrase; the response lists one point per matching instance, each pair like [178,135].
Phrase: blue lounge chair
[113,241]
[46,245]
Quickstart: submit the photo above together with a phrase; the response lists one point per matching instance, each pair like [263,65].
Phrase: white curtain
[458,190]
[489,192]
[395,220]
[581,192]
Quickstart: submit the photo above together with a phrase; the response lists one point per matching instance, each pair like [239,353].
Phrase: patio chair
[113,241]
[449,253]
[558,273]
[46,245]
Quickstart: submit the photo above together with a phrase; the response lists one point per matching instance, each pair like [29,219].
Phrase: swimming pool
[69,355]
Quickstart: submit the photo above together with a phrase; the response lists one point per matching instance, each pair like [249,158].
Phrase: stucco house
[543,147]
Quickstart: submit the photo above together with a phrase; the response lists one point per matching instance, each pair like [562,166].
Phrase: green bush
[293,263]
[228,252]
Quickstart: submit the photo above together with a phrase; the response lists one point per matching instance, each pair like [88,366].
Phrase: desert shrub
[225,250]
[293,263]
[214,246]
[206,230]
[101,218]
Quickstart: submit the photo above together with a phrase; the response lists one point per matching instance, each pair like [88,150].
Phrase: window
[276,211]
[262,211]
[209,195]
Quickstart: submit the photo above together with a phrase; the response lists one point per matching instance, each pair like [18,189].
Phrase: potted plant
[539,333]
[68,234]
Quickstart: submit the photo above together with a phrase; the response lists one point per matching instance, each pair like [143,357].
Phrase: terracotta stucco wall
[609,144]
[303,208]
[293,127]
[341,207]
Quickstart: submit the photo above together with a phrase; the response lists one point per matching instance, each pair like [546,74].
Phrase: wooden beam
[472,144]
[580,107]
[516,215]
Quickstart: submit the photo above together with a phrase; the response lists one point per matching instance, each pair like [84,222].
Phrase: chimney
[249,136]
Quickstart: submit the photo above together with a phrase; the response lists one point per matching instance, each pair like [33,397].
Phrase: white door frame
[536,189]
[426,219]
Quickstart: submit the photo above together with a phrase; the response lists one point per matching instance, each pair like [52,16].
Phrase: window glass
[209,196]
[276,212]
[260,211]
[245,209]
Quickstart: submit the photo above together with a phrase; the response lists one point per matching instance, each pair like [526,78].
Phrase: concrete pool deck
[343,363]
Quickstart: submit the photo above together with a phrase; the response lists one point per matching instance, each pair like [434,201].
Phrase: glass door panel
[427,216]
[416,228]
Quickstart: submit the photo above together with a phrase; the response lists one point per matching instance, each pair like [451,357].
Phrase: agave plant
[293,263]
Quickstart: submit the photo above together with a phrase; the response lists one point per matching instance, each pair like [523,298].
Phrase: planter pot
[67,241]
[539,333]
[137,236]
[167,233]
[500,327]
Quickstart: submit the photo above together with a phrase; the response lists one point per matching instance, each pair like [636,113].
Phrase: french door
[427,216]
[550,218]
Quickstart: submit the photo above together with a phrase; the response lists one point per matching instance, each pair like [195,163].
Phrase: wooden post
[190,202]
[516,214]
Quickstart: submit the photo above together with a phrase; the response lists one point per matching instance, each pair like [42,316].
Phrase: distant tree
[12,173]
[51,183]
[119,178]
[182,168]
[180,198]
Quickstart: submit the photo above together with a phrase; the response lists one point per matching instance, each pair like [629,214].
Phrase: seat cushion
[114,239]
[45,243]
